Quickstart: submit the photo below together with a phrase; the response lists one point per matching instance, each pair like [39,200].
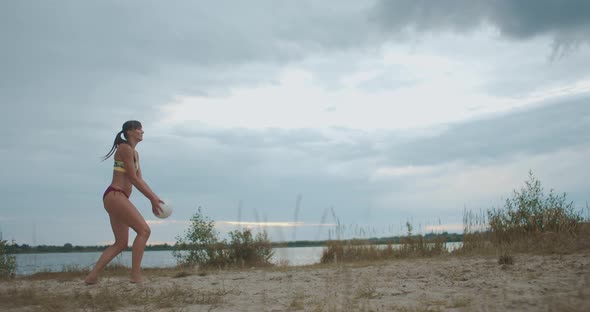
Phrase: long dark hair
[128,125]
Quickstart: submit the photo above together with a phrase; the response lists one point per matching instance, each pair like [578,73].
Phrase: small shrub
[247,250]
[7,262]
[531,219]
[199,246]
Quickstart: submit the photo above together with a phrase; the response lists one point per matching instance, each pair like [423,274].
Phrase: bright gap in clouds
[273,224]
[299,101]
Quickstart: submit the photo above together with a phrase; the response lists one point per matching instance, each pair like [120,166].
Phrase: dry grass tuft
[460,302]
[416,309]
[182,274]
[15,297]
[60,276]
[506,259]
[109,298]
[298,300]
[366,290]
[338,251]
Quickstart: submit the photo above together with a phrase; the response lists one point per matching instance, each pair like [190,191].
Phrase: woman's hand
[156,209]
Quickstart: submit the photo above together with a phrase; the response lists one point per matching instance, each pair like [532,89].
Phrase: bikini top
[120,165]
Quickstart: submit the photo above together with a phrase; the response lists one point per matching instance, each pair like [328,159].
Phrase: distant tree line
[448,237]
[14,248]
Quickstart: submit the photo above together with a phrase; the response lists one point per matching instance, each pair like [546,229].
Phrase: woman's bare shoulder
[124,150]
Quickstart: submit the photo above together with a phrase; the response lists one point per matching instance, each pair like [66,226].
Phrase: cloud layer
[364,114]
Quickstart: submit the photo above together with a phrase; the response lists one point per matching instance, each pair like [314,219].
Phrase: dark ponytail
[118,140]
[128,125]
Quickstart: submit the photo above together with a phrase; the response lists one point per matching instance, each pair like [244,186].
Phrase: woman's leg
[121,231]
[124,212]
[123,215]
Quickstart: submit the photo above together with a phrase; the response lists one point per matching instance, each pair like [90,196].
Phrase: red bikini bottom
[113,189]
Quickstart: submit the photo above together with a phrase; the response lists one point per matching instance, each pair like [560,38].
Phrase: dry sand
[477,283]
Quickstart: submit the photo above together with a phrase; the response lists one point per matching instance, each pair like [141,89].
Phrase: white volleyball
[167,211]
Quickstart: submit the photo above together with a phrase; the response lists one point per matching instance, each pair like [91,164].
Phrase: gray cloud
[542,129]
[566,21]
[349,145]
[118,60]
[139,38]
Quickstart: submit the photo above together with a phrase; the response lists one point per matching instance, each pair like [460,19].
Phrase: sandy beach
[475,283]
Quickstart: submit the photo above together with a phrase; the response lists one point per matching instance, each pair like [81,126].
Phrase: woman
[122,213]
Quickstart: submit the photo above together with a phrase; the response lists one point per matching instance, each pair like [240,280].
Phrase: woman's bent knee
[144,231]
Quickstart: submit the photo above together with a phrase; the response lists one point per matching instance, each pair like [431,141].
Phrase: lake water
[56,262]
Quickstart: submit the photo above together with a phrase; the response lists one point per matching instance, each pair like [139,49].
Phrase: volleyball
[166,211]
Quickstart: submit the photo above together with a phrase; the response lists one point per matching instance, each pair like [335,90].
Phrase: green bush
[533,216]
[247,250]
[7,262]
[200,246]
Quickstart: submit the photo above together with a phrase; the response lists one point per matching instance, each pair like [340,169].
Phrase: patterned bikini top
[120,165]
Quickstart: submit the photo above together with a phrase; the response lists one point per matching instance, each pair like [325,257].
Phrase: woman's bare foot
[137,280]
[91,280]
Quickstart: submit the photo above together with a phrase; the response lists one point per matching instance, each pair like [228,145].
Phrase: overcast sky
[292,115]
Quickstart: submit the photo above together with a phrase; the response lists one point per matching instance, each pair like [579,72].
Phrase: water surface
[57,262]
